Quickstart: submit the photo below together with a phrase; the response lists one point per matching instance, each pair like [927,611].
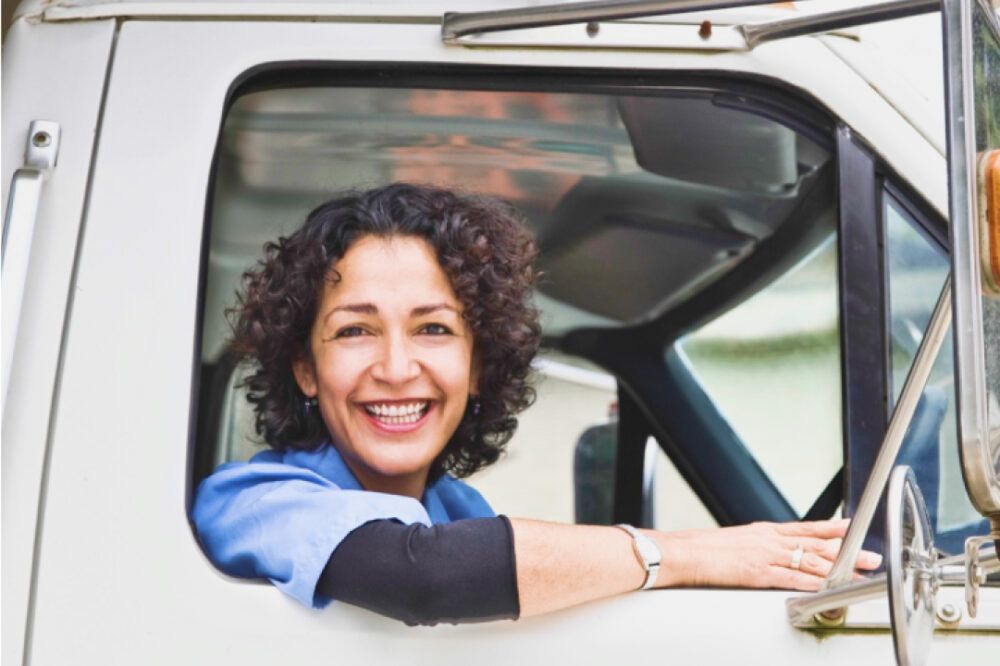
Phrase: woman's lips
[397,428]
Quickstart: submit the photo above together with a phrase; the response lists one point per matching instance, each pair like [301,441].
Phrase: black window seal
[862,326]
[932,224]
[860,451]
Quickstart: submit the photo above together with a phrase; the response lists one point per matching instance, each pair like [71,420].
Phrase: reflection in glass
[916,268]
[637,202]
[772,367]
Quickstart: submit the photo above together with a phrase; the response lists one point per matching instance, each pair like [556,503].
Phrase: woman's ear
[305,375]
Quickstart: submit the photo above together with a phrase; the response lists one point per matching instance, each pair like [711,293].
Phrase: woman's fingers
[790,579]
[868,560]
[824,538]
[805,560]
[813,564]
[823,529]
[827,548]
[818,555]
[830,548]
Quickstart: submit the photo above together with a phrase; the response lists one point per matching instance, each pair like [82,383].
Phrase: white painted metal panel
[50,72]
[121,579]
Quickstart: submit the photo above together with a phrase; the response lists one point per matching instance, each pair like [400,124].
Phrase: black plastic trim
[863,335]
[826,504]
[934,226]
[630,459]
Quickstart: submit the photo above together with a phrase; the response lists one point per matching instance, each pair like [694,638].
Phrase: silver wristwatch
[647,552]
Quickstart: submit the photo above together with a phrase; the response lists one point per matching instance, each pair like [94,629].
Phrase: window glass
[535,477]
[636,201]
[772,366]
[663,193]
[916,268]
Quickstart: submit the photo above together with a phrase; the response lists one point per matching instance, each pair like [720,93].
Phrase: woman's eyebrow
[361,308]
[358,308]
[422,310]
[372,309]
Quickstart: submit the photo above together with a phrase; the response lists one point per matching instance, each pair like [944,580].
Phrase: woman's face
[391,362]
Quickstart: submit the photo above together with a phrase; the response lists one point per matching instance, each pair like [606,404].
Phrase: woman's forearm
[564,565]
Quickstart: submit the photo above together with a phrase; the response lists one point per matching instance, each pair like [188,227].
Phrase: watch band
[646,551]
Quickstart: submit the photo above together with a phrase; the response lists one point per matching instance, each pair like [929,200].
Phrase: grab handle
[19,230]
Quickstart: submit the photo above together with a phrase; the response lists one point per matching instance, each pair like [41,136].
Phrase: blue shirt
[281,515]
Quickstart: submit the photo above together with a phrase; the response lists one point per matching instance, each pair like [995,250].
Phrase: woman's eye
[350,332]
[436,329]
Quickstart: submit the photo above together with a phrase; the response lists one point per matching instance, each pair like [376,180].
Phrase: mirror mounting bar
[456,25]
[803,610]
[843,568]
[461,24]
[811,24]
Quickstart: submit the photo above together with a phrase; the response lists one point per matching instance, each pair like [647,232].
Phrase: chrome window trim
[811,24]
[456,27]
[460,24]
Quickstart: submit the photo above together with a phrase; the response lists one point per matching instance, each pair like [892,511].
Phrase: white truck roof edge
[426,11]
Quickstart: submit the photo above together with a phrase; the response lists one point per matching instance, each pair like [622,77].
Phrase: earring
[476,406]
[308,404]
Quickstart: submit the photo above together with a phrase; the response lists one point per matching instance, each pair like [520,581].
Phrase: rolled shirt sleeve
[282,522]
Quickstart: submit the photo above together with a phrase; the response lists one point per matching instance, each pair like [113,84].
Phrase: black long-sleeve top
[463,571]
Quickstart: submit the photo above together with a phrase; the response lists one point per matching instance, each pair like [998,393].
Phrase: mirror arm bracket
[937,329]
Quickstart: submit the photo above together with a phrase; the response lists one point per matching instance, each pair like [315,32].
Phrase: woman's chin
[400,466]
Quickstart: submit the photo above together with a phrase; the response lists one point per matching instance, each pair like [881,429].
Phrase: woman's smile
[390,361]
[402,416]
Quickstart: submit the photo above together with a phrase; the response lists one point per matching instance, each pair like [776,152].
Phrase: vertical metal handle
[19,230]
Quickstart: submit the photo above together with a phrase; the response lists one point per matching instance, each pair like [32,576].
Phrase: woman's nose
[397,363]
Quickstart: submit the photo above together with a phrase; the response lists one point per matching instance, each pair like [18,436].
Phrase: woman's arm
[564,565]
[495,568]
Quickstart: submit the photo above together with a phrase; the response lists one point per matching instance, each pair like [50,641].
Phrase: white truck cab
[743,216]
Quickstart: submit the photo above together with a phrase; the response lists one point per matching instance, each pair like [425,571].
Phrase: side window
[916,268]
[772,366]
[638,203]
[535,476]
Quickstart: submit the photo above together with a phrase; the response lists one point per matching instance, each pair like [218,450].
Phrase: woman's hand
[760,555]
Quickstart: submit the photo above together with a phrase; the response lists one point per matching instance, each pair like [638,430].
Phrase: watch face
[648,549]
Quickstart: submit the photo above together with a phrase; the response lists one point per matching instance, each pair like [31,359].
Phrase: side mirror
[972,55]
[910,565]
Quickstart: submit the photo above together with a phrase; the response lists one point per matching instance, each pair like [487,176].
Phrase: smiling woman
[390,362]
[393,335]
[398,280]
[370,328]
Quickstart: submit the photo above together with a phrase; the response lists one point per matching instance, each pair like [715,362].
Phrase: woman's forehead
[397,268]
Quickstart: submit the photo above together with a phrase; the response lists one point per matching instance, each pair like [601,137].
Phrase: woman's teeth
[397,414]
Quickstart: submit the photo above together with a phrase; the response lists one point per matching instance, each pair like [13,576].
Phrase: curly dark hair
[485,250]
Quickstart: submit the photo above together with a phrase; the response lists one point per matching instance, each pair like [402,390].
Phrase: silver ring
[797,557]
